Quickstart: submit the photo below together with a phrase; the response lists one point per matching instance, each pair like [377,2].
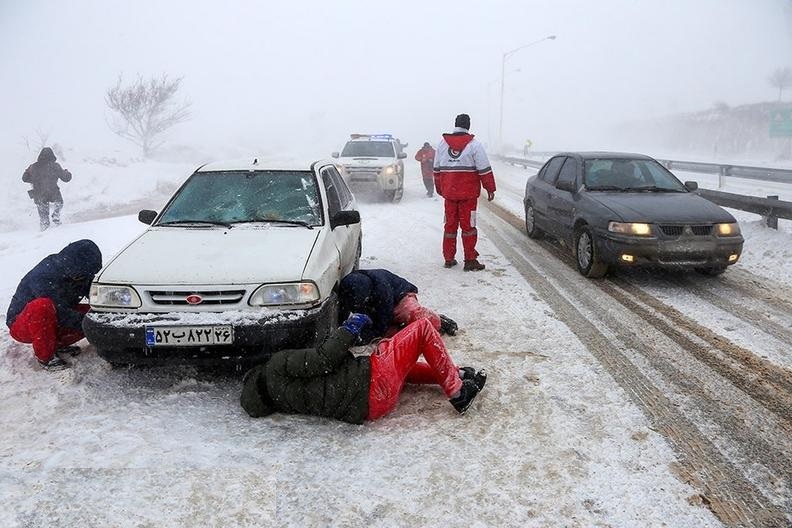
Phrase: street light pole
[503,78]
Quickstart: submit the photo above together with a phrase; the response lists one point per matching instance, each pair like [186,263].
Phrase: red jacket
[461,167]
[426,156]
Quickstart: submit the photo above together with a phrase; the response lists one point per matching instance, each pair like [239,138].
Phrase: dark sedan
[629,210]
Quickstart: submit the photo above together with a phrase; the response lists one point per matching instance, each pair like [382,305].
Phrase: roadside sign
[781,122]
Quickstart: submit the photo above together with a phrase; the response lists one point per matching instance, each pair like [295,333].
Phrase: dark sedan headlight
[630,228]
[731,229]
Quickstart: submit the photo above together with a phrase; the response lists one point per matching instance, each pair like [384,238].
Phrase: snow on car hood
[240,255]
[662,207]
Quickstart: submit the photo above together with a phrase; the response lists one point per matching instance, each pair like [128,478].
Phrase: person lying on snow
[330,381]
[46,311]
[389,300]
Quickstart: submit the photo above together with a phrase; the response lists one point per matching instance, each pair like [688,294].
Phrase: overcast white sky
[314,71]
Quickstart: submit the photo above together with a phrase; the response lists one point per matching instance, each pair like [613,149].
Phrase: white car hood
[240,255]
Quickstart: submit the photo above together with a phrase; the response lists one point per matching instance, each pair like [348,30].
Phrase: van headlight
[732,229]
[630,228]
[289,293]
[114,296]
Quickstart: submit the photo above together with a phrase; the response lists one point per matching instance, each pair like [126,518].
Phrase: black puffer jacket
[324,381]
[44,175]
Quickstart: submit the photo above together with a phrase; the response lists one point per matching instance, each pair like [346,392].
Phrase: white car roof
[253,164]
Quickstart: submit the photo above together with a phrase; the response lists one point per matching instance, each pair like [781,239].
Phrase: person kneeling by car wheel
[389,300]
[330,381]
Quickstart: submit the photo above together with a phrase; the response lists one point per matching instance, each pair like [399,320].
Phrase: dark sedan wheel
[530,222]
[588,262]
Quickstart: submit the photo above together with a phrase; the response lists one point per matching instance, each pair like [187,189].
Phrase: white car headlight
[280,294]
[630,228]
[732,229]
[391,169]
[114,296]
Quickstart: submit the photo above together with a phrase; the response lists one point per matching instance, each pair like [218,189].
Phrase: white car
[374,159]
[244,260]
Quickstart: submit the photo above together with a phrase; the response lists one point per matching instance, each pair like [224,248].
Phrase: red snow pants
[395,362]
[409,310]
[37,324]
[460,214]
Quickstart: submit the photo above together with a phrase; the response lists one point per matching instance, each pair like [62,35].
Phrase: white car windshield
[231,197]
[368,149]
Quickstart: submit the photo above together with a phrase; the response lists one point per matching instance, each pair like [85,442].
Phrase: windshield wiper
[653,188]
[269,221]
[606,188]
[203,222]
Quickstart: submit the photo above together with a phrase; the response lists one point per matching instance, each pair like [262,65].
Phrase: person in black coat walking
[389,300]
[46,311]
[330,381]
[44,175]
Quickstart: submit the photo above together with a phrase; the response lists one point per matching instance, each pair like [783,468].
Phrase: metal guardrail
[722,170]
[771,208]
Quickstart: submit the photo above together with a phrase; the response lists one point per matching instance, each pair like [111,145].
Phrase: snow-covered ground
[553,440]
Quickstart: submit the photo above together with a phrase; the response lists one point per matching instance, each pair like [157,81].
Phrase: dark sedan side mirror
[566,185]
[146,216]
[342,218]
[691,186]
[335,154]
[402,155]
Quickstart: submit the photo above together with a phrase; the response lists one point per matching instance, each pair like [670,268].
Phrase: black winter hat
[462,121]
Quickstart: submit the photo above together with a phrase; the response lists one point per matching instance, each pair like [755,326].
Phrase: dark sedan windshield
[368,149]
[236,197]
[629,175]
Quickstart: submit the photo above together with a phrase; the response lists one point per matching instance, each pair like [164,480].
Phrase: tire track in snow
[725,489]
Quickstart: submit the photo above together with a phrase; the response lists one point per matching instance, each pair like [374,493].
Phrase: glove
[490,196]
[355,323]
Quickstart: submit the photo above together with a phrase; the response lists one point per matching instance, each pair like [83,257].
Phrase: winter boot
[467,373]
[447,325]
[72,350]
[450,263]
[468,393]
[54,364]
[473,265]
[479,378]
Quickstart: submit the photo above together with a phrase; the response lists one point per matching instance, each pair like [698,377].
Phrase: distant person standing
[461,168]
[426,156]
[43,175]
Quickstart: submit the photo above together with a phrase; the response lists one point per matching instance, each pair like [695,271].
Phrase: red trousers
[460,214]
[37,324]
[409,310]
[395,362]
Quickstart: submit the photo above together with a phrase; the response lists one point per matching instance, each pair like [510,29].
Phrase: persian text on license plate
[189,335]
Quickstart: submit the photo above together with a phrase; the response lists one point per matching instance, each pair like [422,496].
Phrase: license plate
[189,335]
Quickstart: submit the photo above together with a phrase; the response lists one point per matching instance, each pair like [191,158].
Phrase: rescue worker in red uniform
[461,169]
[331,381]
[426,156]
[46,310]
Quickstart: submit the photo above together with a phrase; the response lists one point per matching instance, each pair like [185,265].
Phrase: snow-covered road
[594,414]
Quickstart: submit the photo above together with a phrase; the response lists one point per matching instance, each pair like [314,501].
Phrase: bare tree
[145,109]
[781,79]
